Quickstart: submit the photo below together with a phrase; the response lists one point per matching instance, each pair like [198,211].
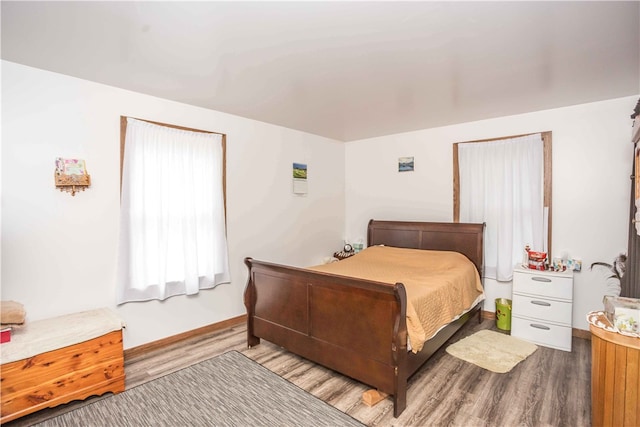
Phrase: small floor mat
[492,350]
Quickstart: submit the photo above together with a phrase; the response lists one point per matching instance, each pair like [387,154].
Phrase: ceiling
[345,70]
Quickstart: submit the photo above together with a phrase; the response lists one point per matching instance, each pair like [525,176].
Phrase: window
[506,183]
[172,214]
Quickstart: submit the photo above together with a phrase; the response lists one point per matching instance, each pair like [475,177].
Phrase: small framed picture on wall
[405,164]
[300,178]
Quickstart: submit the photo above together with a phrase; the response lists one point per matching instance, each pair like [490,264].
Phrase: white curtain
[501,184]
[172,225]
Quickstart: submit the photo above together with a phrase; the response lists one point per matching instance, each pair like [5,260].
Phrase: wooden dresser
[615,379]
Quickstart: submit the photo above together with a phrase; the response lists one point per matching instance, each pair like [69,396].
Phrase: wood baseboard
[581,333]
[488,315]
[162,343]
[578,333]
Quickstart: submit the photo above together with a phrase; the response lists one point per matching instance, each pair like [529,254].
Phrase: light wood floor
[550,388]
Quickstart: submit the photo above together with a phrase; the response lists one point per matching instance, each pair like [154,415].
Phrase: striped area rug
[227,390]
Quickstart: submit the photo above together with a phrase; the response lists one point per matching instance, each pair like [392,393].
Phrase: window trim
[547,166]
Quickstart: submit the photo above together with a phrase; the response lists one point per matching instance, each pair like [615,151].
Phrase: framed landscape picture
[300,178]
[405,164]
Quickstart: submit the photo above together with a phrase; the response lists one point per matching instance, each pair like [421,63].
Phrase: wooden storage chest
[82,365]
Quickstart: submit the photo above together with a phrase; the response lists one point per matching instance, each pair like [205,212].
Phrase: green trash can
[503,314]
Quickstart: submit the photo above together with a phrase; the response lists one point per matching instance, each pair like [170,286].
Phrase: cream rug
[492,350]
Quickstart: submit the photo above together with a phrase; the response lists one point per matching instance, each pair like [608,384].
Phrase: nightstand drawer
[542,333]
[543,284]
[541,308]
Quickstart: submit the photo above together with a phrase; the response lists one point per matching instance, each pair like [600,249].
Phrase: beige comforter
[440,285]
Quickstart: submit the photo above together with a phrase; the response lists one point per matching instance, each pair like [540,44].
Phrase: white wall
[59,251]
[592,161]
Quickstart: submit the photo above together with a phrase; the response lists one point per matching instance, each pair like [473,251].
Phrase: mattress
[440,285]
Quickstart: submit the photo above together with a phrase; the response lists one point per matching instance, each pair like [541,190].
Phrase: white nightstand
[542,306]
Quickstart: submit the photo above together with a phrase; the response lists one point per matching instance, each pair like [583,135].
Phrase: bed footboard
[353,326]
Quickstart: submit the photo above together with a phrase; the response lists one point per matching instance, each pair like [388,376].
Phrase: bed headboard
[442,236]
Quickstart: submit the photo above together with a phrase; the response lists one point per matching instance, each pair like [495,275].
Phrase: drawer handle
[541,279]
[544,303]
[538,326]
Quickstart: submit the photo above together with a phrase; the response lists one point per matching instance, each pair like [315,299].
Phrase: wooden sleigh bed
[354,326]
